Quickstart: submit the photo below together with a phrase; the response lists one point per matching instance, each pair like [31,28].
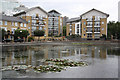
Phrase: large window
[77,31]
[16,24]
[24,25]
[5,22]
[1,23]
[12,23]
[21,24]
[77,25]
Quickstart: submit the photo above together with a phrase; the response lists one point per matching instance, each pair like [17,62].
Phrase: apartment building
[55,23]
[65,18]
[10,23]
[37,19]
[93,24]
[73,26]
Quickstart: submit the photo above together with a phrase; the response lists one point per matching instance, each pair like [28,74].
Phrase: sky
[74,8]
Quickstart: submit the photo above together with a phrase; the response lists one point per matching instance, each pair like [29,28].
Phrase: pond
[102,60]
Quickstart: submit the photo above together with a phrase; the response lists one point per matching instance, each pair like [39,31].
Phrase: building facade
[37,19]
[55,23]
[65,18]
[10,23]
[73,26]
[93,24]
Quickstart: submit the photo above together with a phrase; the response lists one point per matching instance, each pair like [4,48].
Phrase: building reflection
[27,55]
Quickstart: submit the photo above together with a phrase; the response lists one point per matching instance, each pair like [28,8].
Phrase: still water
[103,60]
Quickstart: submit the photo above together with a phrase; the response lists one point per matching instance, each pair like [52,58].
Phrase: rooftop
[12,19]
[73,20]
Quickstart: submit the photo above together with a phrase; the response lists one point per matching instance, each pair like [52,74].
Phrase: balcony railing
[97,31]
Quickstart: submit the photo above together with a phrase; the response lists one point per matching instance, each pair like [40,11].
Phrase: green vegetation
[55,65]
[64,31]
[30,39]
[3,34]
[81,43]
[48,69]
[114,30]
[74,36]
[66,62]
[39,33]
[21,33]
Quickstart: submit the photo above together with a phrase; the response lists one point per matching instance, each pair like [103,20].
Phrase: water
[103,60]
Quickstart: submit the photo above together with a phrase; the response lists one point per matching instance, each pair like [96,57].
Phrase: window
[84,23]
[12,23]
[102,28]
[21,24]
[28,27]
[102,22]
[1,23]
[78,31]
[84,29]
[5,22]
[24,25]
[28,21]
[77,25]
[16,24]
[84,34]
[40,28]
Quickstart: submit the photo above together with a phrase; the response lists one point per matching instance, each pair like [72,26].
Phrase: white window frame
[16,24]
[24,24]
[12,23]
[21,24]
[29,27]
[5,22]
[102,22]
[1,22]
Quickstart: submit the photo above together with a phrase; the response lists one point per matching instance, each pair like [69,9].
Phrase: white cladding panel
[94,13]
[76,24]
[36,11]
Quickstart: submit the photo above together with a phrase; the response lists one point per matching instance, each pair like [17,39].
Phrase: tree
[114,29]
[3,34]
[64,31]
[39,33]
[21,33]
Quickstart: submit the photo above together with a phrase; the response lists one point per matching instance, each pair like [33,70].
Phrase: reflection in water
[32,55]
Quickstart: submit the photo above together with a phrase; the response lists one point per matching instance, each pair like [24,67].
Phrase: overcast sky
[74,8]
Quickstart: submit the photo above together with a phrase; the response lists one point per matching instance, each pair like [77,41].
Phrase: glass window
[84,29]
[12,23]
[28,27]
[102,22]
[84,23]
[24,25]
[28,21]
[1,23]
[84,34]
[102,28]
[21,24]
[16,24]
[40,28]
[77,25]
[5,22]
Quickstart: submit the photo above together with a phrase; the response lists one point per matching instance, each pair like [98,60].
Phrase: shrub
[30,39]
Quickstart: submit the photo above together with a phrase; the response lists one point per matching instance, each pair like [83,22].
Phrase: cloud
[73,8]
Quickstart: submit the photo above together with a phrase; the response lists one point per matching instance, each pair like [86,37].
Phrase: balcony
[97,31]
[97,26]
[89,31]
